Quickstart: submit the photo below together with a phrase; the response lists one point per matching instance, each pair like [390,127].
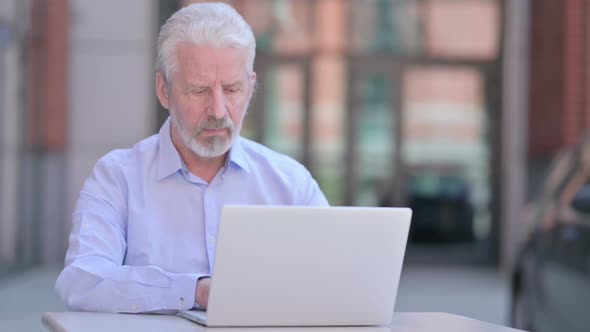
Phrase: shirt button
[85,227]
[181,302]
[133,307]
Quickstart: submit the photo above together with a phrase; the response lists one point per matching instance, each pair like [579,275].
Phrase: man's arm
[93,284]
[313,195]
[94,277]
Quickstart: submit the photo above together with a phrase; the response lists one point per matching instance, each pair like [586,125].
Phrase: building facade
[387,102]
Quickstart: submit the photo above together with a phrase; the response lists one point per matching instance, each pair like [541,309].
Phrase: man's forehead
[207,54]
[195,84]
[202,62]
[207,77]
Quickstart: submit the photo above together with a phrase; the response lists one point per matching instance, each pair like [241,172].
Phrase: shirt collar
[169,160]
[237,155]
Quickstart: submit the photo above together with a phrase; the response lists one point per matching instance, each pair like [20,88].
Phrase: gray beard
[214,146]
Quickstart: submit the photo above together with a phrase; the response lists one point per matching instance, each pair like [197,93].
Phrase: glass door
[373,142]
[446,152]
[419,136]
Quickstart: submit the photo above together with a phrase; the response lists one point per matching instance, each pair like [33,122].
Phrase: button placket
[211,217]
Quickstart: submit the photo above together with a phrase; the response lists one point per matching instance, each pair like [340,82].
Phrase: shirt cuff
[182,292]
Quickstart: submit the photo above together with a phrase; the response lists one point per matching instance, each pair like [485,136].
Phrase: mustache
[215,123]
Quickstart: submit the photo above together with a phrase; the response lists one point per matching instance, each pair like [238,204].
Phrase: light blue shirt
[144,228]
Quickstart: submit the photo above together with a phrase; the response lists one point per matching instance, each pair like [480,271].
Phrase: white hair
[214,24]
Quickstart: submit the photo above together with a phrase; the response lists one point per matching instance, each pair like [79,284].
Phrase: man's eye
[232,90]
[198,92]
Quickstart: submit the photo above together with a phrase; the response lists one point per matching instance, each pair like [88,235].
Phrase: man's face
[208,97]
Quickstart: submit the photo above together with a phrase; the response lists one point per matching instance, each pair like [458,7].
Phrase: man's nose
[217,106]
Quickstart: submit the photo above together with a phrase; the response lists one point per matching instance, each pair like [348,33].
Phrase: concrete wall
[10,122]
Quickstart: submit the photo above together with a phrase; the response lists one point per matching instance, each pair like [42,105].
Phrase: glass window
[385,25]
[284,110]
[375,144]
[279,101]
[445,149]
[280,26]
[464,28]
[328,119]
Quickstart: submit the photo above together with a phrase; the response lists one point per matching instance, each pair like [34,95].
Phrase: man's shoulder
[261,155]
[288,181]
[130,157]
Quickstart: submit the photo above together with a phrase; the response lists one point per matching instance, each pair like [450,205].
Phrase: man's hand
[202,292]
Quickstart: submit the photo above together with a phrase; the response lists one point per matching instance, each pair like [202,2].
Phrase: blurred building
[387,102]
[559,81]
[77,76]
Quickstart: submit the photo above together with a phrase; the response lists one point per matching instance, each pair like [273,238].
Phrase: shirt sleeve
[313,194]
[94,277]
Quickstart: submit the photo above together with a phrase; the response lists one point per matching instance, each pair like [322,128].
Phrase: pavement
[475,292]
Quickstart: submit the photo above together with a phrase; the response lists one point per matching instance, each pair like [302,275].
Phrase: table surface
[402,322]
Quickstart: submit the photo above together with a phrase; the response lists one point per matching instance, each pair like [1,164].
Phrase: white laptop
[306,266]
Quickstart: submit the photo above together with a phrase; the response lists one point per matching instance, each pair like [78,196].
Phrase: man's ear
[162,90]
